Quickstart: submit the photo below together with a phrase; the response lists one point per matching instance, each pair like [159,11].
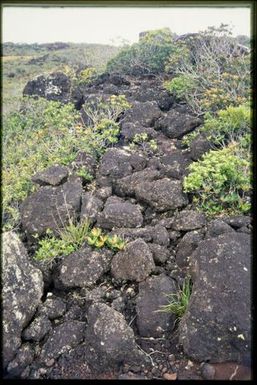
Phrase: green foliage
[72,237]
[84,174]
[87,75]
[181,85]
[209,74]
[220,181]
[97,239]
[143,142]
[229,125]
[178,303]
[148,55]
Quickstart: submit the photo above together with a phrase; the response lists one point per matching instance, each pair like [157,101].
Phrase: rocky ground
[94,314]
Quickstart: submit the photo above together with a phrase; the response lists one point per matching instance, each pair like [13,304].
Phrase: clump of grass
[178,302]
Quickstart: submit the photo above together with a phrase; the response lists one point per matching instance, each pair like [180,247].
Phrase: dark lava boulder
[162,195]
[56,86]
[217,324]
[153,294]
[130,129]
[145,113]
[126,186]
[134,263]
[217,227]
[176,124]
[110,336]
[152,91]
[156,234]
[83,267]
[186,246]
[187,220]
[21,293]
[61,340]
[51,208]
[199,146]
[90,207]
[54,176]
[119,214]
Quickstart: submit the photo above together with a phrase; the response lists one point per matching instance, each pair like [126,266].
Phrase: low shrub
[149,55]
[220,181]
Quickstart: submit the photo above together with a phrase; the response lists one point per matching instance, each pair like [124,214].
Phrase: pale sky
[107,25]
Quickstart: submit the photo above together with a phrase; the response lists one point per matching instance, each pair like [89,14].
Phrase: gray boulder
[51,207]
[90,207]
[130,129]
[237,221]
[119,214]
[134,263]
[160,254]
[62,339]
[145,113]
[109,334]
[55,86]
[162,195]
[156,234]
[54,176]
[217,227]
[37,330]
[176,124]
[53,307]
[21,293]
[153,293]
[83,268]
[217,324]
[24,357]
[173,165]
[199,146]
[126,186]
[187,220]
[186,246]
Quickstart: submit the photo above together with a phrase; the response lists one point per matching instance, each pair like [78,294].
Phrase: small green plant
[97,239]
[84,174]
[86,75]
[142,140]
[220,181]
[180,86]
[75,234]
[178,302]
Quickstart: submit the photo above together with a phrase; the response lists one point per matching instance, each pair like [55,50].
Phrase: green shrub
[178,303]
[46,133]
[229,125]
[148,55]
[143,142]
[220,181]
[218,77]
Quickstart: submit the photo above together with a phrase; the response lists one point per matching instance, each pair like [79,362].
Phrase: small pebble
[49,363]
[208,371]
[172,358]
[170,376]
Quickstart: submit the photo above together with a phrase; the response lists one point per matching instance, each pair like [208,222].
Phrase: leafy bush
[220,181]
[217,76]
[231,124]
[46,133]
[148,55]
[143,142]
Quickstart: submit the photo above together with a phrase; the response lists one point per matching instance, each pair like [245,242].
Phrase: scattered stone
[103,193]
[208,371]
[109,334]
[160,253]
[53,307]
[152,295]
[160,235]
[186,246]
[217,227]
[176,124]
[62,339]
[51,208]
[170,376]
[54,176]
[187,220]
[199,146]
[238,221]
[213,328]
[174,164]
[135,263]
[37,330]
[174,235]
[23,358]
[115,164]
[90,207]
[162,195]
[22,289]
[119,215]
[83,267]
